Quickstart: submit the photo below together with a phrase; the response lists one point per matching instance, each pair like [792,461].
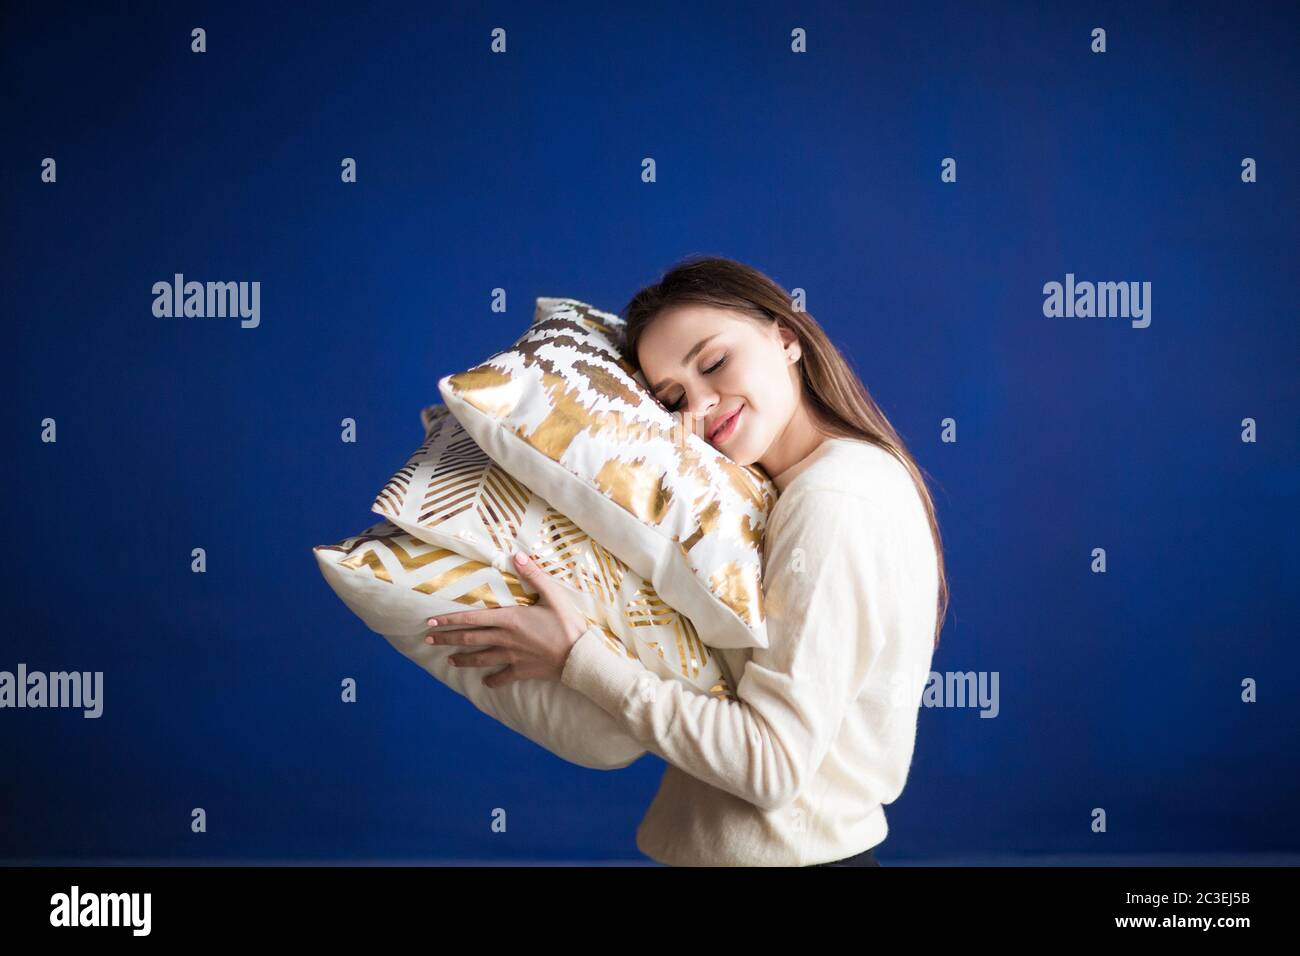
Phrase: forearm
[725,743]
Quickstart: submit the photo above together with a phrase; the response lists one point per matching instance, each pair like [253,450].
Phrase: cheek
[759,382]
[743,380]
[771,393]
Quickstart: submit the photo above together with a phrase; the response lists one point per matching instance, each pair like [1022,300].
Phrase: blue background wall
[522,171]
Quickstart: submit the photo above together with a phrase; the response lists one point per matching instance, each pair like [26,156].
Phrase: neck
[799,439]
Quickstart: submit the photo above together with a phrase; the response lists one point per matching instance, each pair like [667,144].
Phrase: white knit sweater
[797,770]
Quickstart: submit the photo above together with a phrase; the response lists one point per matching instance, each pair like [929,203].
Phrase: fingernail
[431,621]
[521,558]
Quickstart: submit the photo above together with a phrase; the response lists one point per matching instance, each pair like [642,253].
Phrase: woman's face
[731,377]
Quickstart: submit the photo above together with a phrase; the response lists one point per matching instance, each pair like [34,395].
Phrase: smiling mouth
[724,430]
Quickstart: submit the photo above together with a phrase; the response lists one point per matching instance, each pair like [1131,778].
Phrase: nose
[698,406]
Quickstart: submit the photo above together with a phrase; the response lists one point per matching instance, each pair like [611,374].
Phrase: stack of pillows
[556,447]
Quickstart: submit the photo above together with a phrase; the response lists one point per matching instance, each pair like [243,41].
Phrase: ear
[790,342]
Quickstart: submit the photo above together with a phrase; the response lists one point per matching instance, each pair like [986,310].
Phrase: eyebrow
[695,350]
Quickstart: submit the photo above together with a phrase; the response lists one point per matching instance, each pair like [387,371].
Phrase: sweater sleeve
[830,576]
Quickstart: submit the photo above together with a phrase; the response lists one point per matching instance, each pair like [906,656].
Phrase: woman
[797,769]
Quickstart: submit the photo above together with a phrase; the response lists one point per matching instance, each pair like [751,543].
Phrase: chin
[740,455]
[741,449]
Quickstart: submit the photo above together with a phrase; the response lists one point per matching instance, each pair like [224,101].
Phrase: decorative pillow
[395,582]
[451,494]
[565,413]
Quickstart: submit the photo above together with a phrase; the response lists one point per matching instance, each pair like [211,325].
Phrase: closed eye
[712,368]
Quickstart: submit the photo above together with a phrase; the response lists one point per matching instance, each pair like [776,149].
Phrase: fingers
[503,676]
[481,617]
[493,657]
[473,636]
[500,616]
[531,572]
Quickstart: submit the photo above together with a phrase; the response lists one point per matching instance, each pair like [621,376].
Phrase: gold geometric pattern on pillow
[394,582]
[566,413]
[461,489]
[451,495]
[391,555]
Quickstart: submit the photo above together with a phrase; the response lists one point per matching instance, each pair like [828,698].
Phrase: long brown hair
[839,403]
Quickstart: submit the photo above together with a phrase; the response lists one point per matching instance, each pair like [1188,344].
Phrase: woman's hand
[533,641]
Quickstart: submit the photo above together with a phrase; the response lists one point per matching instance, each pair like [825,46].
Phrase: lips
[725,427]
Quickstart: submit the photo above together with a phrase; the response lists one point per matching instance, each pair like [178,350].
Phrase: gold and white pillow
[395,582]
[564,413]
[450,493]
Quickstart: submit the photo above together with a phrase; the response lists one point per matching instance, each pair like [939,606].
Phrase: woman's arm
[834,576]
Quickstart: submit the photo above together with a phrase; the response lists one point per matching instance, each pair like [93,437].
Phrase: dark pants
[865,858]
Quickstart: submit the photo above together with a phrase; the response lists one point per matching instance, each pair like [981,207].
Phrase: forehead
[674,331]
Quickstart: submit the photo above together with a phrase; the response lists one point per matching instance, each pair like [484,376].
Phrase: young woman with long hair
[796,770]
